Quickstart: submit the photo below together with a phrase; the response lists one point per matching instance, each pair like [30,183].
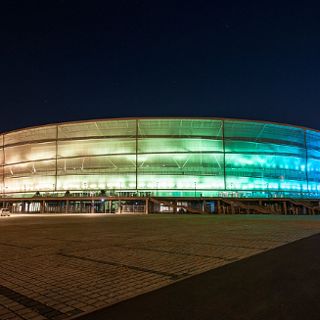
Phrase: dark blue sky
[71,60]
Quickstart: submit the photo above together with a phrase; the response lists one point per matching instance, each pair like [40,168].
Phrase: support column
[218,207]
[285,209]
[147,206]
[119,206]
[42,204]
[92,206]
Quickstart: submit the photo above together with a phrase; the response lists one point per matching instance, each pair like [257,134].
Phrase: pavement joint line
[34,305]
[14,245]
[237,247]
[177,253]
[69,240]
[172,276]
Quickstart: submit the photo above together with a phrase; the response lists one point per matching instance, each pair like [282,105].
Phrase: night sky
[73,60]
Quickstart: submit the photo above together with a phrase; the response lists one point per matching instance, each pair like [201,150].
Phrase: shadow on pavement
[283,283]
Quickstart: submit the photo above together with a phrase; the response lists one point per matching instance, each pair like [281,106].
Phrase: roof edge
[143,118]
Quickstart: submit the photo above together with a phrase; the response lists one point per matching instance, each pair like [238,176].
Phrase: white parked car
[4,212]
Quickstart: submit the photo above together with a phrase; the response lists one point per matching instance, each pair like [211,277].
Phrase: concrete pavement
[58,267]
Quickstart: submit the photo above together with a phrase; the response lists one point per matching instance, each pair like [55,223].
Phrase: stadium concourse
[161,165]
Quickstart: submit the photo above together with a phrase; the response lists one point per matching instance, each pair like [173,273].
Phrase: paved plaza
[61,267]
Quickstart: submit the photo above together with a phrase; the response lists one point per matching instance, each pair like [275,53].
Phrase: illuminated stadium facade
[162,157]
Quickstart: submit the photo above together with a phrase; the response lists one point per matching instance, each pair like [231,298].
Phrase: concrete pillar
[203,205]
[67,206]
[42,206]
[285,209]
[218,207]
[119,206]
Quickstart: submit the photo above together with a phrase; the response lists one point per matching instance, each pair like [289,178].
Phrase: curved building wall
[176,157]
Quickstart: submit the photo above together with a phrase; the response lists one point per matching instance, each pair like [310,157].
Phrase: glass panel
[30,135]
[263,132]
[96,182]
[154,145]
[245,171]
[47,167]
[97,165]
[260,148]
[180,182]
[1,156]
[314,169]
[76,148]
[314,186]
[32,183]
[313,145]
[180,127]
[97,128]
[30,152]
[202,164]
[2,189]
[313,140]
[265,184]
[180,171]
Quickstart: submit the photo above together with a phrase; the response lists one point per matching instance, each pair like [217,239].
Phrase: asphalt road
[283,283]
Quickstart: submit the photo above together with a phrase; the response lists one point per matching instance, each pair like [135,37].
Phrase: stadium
[161,165]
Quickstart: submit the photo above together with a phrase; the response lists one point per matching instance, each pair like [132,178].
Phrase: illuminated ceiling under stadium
[164,156]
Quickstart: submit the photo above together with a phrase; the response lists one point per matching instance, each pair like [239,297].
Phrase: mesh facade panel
[164,156]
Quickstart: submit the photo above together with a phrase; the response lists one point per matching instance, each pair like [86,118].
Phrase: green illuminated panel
[260,131]
[155,145]
[184,164]
[30,184]
[43,167]
[99,128]
[97,165]
[97,182]
[30,135]
[180,127]
[76,148]
[266,184]
[180,182]
[30,152]
[238,146]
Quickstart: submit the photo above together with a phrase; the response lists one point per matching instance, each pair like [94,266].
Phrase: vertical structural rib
[306,151]
[137,154]
[56,173]
[224,156]
[3,162]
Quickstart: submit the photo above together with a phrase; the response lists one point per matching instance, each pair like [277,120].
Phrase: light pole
[195,189]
